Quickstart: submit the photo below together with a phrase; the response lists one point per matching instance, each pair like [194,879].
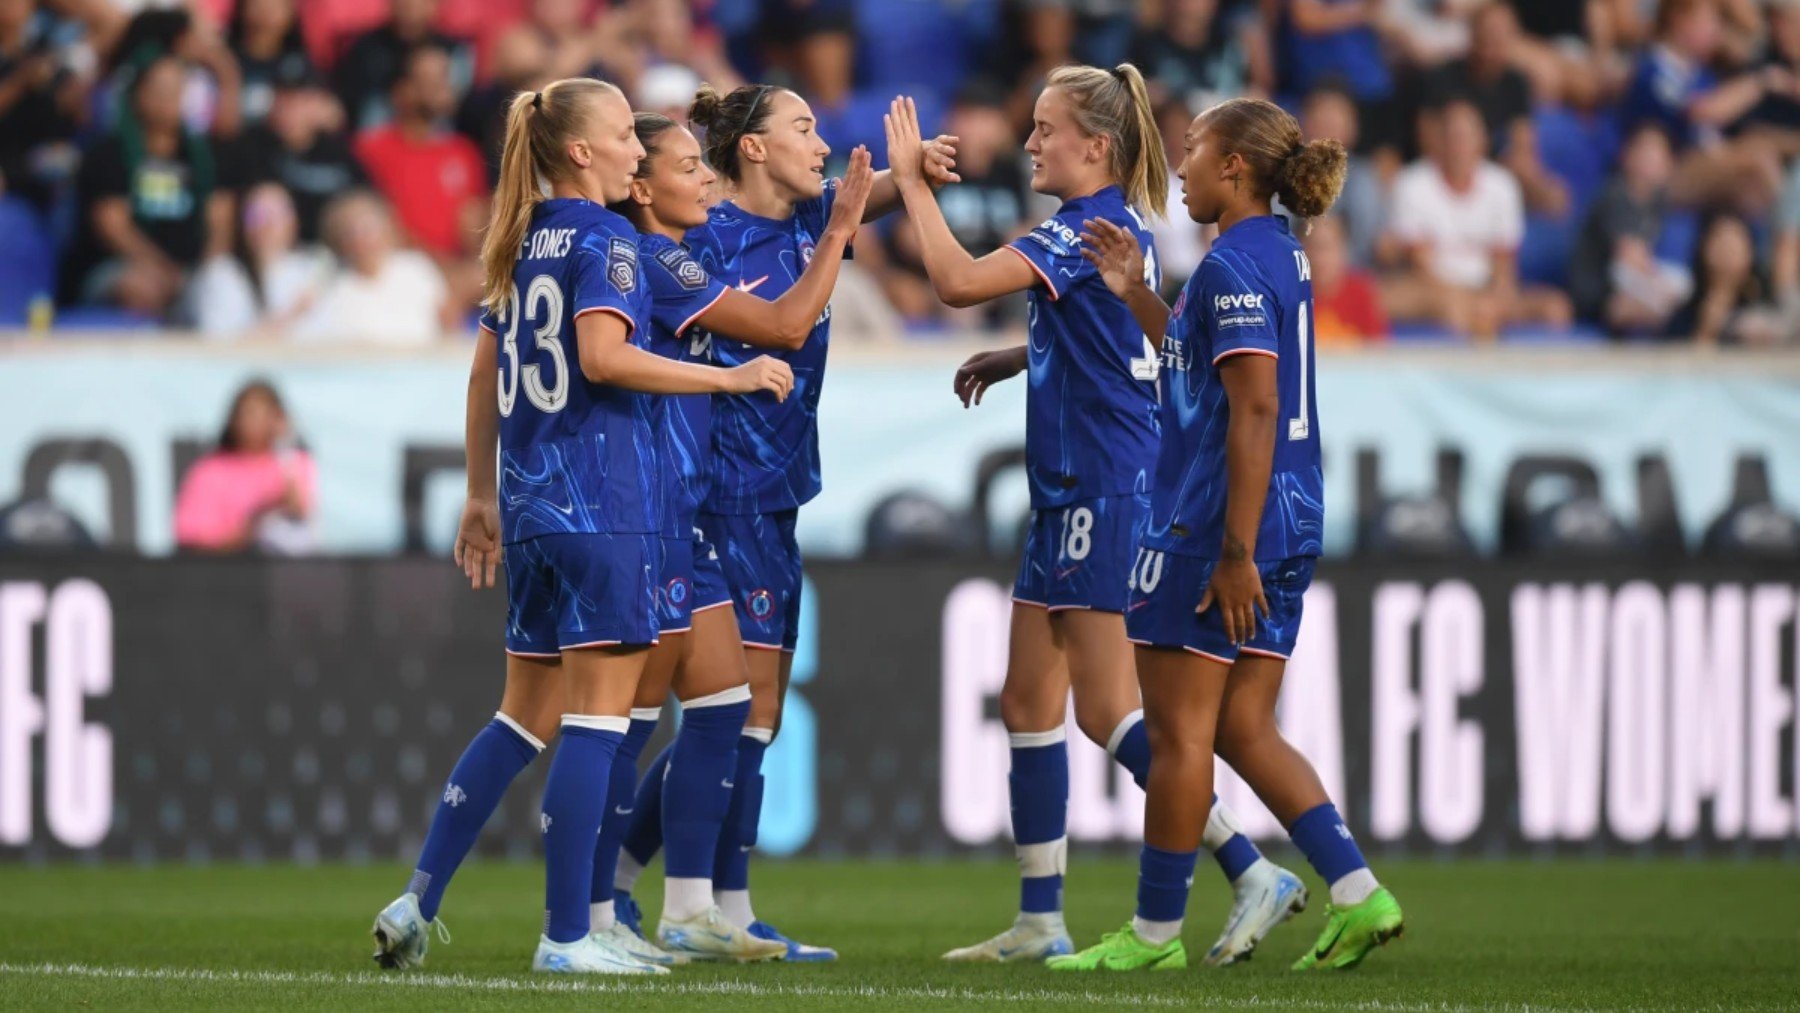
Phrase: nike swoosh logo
[621,811]
[750,286]
[1330,944]
[720,936]
[1005,952]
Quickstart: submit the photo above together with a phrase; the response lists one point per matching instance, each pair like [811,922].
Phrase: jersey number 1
[1300,427]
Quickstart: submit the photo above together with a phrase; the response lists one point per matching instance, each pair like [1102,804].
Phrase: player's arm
[938,157]
[1254,405]
[787,321]
[958,278]
[607,356]
[478,535]
[1119,259]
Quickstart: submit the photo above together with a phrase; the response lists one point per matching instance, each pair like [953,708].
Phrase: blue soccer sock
[1322,837]
[1039,785]
[737,834]
[644,836]
[1129,746]
[1225,838]
[493,758]
[696,796]
[620,798]
[574,801]
[1164,878]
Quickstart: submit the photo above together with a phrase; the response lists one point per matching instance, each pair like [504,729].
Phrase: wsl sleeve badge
[686,271]
[622,264]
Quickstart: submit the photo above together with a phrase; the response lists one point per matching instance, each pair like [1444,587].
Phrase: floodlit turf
[1480,935]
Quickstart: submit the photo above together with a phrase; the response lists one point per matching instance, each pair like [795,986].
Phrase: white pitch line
[772,990]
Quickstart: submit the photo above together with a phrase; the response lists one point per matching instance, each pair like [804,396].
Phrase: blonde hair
[1115,104]
[1306,175]
[538,123]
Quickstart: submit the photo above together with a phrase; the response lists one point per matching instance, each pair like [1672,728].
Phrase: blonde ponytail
[537,125]
[1115,104]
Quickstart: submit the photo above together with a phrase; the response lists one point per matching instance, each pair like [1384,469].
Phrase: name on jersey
[547,243]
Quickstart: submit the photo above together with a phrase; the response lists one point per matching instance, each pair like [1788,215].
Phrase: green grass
[1480,935]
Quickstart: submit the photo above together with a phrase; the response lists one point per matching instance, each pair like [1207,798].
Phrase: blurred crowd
[318,170]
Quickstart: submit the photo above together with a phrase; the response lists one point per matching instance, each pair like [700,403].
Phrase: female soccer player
[1090,446]
[578,504]
[1236,515]
[707,667]
[761,139]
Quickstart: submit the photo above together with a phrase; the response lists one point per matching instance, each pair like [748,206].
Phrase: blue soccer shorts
[1166,588]
[690,581]
[761,563]
[566,591]
[1079,556]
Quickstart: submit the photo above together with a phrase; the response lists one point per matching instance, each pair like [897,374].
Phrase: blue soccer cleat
[797,951]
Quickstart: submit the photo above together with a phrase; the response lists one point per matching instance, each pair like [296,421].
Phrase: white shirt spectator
[1462,230]
[398,306]
[227,306]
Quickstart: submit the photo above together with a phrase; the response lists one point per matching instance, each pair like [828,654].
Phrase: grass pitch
[1480,936]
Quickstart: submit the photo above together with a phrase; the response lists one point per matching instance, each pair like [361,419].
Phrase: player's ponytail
[1306,175]
[725,119]
[1115,104]
[538,125]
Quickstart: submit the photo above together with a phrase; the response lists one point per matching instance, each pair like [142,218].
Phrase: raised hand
[761,373]
[1115,254]
[984,369]
[940,159]
[853,192]
[477,549]
[906,152]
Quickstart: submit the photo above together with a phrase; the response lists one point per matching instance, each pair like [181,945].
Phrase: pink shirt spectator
[224,493]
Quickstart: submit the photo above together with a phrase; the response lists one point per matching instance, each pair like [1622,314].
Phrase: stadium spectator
[1486,77]
[1459,219]
[211,88]
[1329,112]
[270,284]
[566,43]
[367,73]
[41,97]
[1675,87]
[304,147]
[1625,274]
[433,176]
[1180,244]
[153,206]
[1730,302]
[1346,299]
[1428,32]
[1197,54]
[256,490]
[665,33]
[518,63]
[1776,118]
[1785,261]
[1335,41]
[264,36]
[381,294]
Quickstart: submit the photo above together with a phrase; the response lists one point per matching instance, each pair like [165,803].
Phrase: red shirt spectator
[1346,301]
[432,175]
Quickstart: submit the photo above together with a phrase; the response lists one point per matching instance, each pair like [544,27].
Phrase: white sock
[1354,888]
[600,916]
[1041,919]
[625,876]
[1221,826]
[686,897]
[1156,933]
[736,905]
[1261,865]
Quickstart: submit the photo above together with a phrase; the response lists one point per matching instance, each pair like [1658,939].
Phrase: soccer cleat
[402,934]
[637,947]
[1267,895]
[1033,937]
[1123,951]
[1351,932]
[796,951]
[709,935]
[627,913]
[587,955]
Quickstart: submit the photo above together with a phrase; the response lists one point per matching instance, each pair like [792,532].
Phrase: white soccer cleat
[627,941]
[1267,895]
[587,955]
[711,936]
[402,934]
[1033,938]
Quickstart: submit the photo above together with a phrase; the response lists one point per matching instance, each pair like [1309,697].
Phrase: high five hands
[911,158]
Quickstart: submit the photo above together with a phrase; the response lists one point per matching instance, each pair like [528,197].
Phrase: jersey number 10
[545,293]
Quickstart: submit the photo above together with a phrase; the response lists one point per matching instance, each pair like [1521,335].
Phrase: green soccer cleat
[1351,932]
[1123,951]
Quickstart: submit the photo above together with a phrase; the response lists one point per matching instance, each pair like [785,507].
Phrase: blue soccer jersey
[575,457]
[766,451]
[1090,410]
[1251,296]
[680,291]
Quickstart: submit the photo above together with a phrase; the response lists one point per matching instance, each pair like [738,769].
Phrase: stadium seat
[1551,507]
[39,525]
[913,525]
[1424,525]
[102,318]
[1753,526]
[27,261]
